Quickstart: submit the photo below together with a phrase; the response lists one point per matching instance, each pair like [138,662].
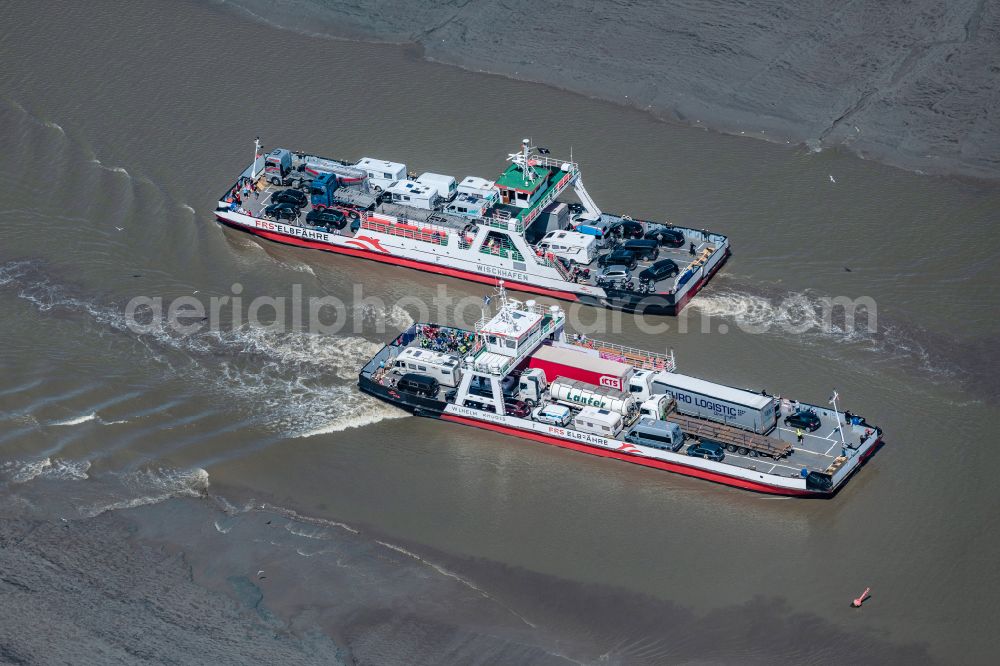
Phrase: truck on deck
[581,365]
[581,394]
[755,412]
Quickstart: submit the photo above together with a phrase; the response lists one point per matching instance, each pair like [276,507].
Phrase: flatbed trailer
[735,439]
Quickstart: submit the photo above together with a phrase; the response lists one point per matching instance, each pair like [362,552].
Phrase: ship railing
[550,162]
[542,258]
[640,358]
[502,219]
[427,233]
[548,198]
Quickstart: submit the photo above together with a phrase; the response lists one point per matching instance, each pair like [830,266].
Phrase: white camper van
[381,174]
[443,367]
[603,422]
[570,245]
[412,193]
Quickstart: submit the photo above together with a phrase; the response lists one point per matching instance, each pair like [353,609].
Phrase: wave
[370,412]
[820,321]
[188,208]
[23,471]
[801,313]
[294,381]
[76,420]
[444,572]
[152,486]
[310,532]
[116,169]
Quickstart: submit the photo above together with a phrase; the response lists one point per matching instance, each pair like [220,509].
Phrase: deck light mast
[840,427]
[256,156]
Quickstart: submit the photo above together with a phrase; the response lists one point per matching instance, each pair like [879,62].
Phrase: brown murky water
[121,125]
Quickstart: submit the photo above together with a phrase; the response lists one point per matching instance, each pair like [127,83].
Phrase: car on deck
[645,250]
[613,276]
[330,218]
[518,408]
[805,419]
[626,229]
[282,211]
[707,449]
[665,236]
[625,258]
[661,270]
[294,197]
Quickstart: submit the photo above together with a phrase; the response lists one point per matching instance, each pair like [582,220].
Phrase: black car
[646,250]
[329,218]
[418,384]
[665,236]
[707,449]
[661,270]
[805,419]
[626,229]
[293,197]
[282,211]
[619,258]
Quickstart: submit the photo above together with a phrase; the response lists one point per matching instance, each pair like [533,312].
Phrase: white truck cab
[655,407]
[531,386]
[640,384]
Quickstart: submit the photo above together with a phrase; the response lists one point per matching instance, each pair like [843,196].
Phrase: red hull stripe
[647,462]
[408,263]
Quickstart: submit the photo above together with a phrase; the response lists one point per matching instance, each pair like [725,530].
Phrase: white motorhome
[444,185]
[414,194]
[570,245]
[598,421]
[441,366]
[381,174]
[479,187]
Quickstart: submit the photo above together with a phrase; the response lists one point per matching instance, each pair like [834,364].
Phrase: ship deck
[819,451]
[683,256]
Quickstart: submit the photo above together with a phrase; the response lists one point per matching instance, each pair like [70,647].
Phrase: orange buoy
[860,600]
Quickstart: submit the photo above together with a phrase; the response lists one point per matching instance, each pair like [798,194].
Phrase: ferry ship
[519,372]
[514,227]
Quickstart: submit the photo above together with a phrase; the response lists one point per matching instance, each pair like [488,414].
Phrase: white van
[602,422]
[443,367]
[559,415]
[570,245]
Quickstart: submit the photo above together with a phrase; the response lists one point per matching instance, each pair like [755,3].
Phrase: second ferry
[514,228]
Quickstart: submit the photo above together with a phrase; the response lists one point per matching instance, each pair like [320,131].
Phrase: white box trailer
[724,404]
[441,366]
[581,394]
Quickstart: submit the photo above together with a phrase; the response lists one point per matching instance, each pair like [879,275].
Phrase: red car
[518,408]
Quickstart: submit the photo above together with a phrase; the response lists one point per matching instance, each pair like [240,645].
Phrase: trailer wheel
[753,454]
[744,450]
[731,448]
[530,403]
[275,181]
